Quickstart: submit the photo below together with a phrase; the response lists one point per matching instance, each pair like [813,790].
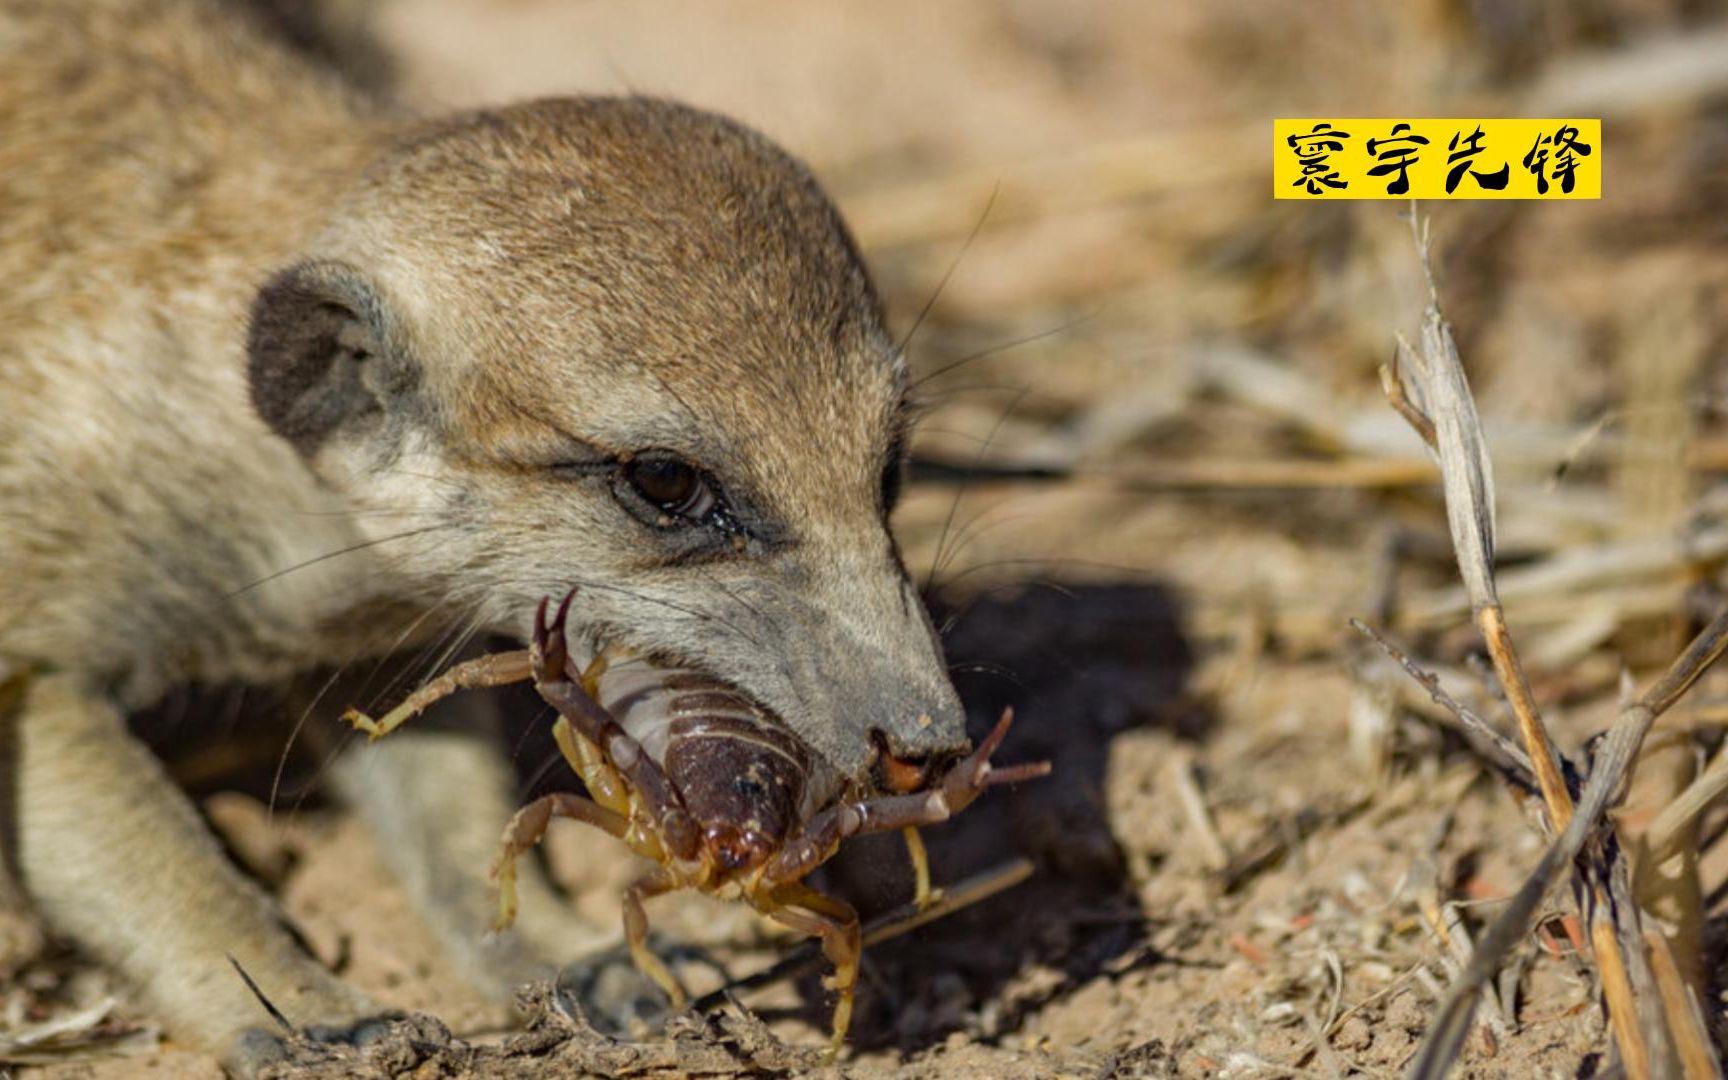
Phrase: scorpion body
[700,780]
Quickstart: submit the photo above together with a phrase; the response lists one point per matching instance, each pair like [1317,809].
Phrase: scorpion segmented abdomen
[743,780]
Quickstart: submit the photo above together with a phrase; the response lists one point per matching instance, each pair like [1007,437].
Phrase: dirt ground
[1155,476]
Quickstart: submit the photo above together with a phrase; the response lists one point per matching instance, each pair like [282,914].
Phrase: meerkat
[290,379]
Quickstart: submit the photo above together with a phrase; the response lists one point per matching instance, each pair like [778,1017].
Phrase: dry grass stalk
[1592,570]
[1454,433]
[807,957]
[1664,343]
[1213,854]
[71,1036]
[1691,1038]
[1504,754]
[1666,833]
[925,210]
[1446,922]
[1622,1007]
[1636,1009]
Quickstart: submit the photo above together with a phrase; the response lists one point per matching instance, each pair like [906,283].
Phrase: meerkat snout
[626,345]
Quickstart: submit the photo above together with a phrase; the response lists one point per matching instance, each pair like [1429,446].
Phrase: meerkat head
[625,346]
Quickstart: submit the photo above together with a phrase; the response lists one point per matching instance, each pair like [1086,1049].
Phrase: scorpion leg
[525,829]
[654,883]
[962,784]
[836,924]
[549,657]
[493,669]
[922,894]
[604,784]
[602,780]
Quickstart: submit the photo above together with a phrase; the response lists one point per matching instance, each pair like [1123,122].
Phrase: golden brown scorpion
[725,800]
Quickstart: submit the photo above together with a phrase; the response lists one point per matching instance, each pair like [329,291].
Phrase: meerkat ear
[318,353]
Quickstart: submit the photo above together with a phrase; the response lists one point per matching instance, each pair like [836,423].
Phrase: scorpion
[724,800]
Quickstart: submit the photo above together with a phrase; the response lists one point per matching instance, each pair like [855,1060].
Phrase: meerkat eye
[672,485]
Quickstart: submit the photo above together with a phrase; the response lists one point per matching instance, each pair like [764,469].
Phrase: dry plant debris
[1657,1019]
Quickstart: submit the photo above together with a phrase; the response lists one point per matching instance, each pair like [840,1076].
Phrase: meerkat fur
[291,379]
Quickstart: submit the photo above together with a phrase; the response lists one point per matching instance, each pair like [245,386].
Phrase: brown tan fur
[250,321]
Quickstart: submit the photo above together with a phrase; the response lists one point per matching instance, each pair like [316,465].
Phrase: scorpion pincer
[709,787]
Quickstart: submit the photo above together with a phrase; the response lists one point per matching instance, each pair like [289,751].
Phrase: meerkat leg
[21,937]
[116,857]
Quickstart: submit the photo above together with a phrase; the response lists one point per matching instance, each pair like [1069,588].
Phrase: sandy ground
[1250,820]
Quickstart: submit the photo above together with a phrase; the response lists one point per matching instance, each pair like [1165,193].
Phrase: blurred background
[1135,309]
[1154,475]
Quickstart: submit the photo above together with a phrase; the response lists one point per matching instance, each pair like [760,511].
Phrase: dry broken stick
[885,927]
[1454,432]
[1446,419]
[1504,754]
[1611,768]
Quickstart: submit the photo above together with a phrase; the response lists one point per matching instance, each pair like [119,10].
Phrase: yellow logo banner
[1437,159]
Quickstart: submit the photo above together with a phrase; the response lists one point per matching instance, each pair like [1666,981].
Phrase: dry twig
[885,927]
[1501,752]
[1635,1007]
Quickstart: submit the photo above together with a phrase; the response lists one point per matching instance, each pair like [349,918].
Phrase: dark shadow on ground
[1079,665]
